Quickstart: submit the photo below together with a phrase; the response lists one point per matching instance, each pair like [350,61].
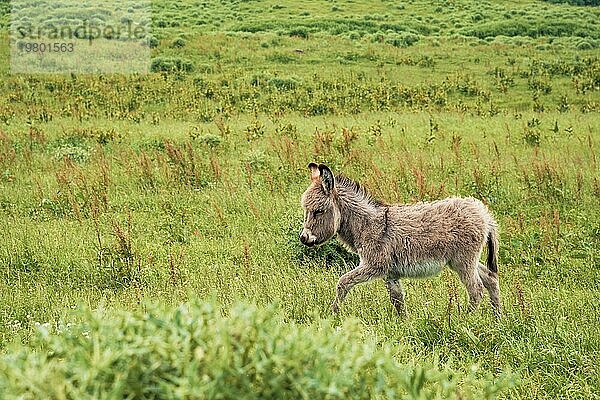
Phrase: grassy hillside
[183,185]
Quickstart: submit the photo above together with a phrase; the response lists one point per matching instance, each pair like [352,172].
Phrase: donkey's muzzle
[306,239]
[303,237]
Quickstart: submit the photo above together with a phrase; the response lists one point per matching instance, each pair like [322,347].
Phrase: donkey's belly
[421,269]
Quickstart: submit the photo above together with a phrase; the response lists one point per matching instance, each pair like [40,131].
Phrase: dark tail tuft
[492,242]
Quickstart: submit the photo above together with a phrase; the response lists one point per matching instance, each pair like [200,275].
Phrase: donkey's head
[321,213]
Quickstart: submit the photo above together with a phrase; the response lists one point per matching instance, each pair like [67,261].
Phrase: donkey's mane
[356,188]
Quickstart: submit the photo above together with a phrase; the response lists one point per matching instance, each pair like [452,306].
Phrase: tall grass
[164,215]
[195,352]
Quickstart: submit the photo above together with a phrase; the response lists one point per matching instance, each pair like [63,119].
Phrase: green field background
[127,193]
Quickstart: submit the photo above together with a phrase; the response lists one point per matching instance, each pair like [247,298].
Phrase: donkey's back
[426,236]
[441,223]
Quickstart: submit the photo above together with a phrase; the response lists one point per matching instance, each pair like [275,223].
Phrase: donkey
[397,241]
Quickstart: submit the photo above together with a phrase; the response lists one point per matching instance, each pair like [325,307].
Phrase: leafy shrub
[576,2]
[476,17]
[253,27]
[211,140]
[540,84]
[353,35]
[254,130]
[78,135]
[300,32]
[171,64]
[284,83]
[178,43]
[532,134]
[377,37]
[152,42]
[584,45]
[194,352]
[404,39]
[289,130]
[532,28]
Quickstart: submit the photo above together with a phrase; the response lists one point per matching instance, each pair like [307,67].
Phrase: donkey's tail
[492,243]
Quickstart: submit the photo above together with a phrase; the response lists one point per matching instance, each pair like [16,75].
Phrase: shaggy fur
[402,241]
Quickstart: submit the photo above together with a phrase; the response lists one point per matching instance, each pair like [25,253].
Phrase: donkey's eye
[318,212]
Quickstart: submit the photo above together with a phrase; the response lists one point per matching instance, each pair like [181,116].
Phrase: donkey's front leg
[360,274]
[394,287]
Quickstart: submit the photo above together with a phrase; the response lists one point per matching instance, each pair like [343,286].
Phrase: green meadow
[150,222]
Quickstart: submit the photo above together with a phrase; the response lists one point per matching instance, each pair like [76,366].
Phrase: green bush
[178,43]
[353,35]
[285,83]
[194,352]
[171,64]
[211,140]
[532,28]
[404,39]
[300,32]
[152,42]
[576,2]
[584,45]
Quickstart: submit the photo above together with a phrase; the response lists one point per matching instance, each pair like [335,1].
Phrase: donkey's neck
[361,219]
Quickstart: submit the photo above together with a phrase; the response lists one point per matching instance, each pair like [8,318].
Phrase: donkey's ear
[314,171]
[327,179]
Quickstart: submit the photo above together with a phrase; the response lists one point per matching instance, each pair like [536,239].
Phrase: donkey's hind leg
[490,281]
[469,276]
[358,275]
[394,287]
